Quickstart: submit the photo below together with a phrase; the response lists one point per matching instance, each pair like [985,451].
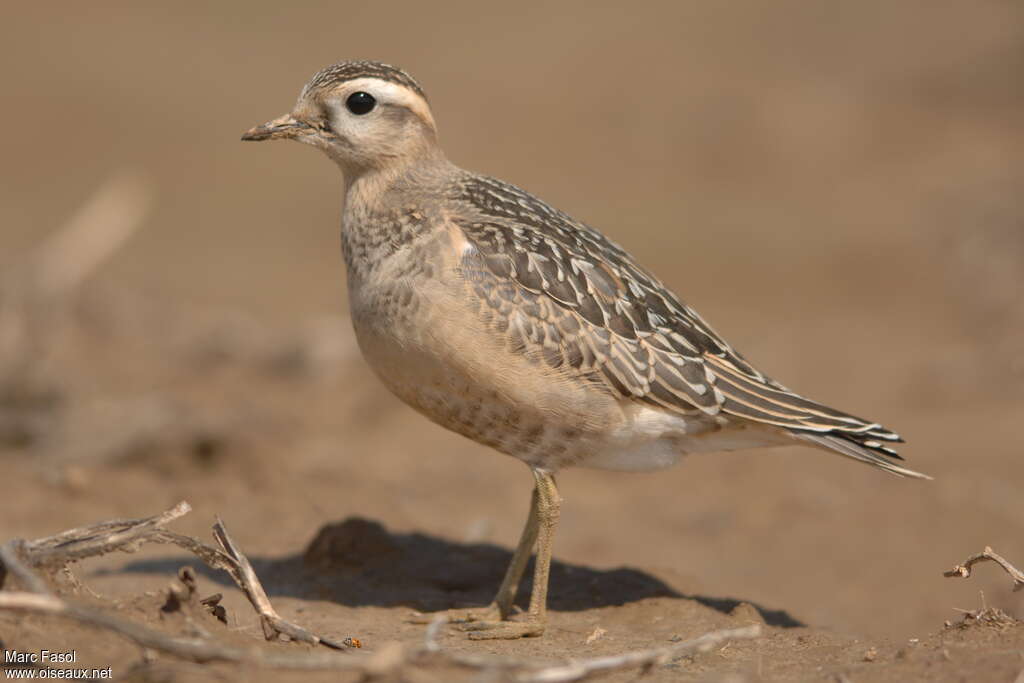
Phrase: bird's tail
[863,447]
[749,394]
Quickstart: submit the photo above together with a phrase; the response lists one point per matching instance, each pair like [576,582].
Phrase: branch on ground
[577,670]
[988,555]
[54,553]
[273,625]
[192,649]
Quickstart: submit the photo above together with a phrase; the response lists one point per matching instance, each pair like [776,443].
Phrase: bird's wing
[566,295]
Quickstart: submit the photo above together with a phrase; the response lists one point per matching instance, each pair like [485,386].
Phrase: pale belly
[434,359]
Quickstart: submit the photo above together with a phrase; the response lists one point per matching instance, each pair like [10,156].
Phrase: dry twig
[578,670]
[99,539]
[10,558]
[194,649]
[273,625]
[56,552]
[644,659]
[988,555]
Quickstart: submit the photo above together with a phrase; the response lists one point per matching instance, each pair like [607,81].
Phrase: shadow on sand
[357,562]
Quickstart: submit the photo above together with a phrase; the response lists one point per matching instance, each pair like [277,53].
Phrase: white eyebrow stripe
[393,93]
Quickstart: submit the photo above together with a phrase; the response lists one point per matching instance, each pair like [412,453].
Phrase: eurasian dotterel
[506,320]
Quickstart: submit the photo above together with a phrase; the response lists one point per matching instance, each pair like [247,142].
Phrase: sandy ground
[838,192]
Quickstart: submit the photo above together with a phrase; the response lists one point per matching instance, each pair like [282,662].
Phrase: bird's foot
[530,627]
[489,614]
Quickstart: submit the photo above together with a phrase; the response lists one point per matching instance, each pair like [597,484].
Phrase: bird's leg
[501,606]
[506,595]
[548,507]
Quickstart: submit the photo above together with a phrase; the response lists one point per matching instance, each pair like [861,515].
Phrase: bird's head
[363,115]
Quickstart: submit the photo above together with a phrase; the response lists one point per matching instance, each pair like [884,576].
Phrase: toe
[458,616]
[504,630]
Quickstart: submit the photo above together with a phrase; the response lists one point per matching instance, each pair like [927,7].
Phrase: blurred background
[838,188]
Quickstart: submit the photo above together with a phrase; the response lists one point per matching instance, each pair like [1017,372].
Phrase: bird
[506,320]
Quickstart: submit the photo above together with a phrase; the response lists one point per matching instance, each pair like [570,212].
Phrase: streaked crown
[336,74]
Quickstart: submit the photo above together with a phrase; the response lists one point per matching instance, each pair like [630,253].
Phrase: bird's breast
[421,331]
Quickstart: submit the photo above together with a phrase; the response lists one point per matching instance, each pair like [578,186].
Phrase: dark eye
[360,103]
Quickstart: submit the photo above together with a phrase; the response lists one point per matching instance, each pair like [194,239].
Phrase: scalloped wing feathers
[566,294]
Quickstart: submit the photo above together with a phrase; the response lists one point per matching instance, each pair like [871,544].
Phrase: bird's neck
[367,191]
[386,209]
